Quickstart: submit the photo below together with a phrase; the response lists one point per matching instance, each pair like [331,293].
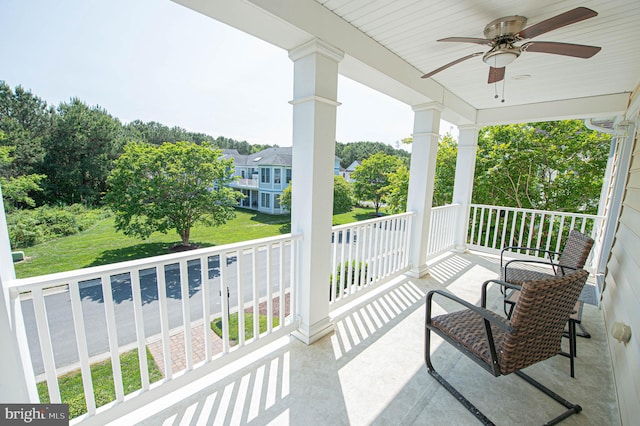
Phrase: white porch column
[315,90]
[17,383]
[463,184]
[426,127]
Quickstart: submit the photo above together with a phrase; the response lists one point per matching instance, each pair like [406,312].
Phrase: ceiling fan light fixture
[501,57]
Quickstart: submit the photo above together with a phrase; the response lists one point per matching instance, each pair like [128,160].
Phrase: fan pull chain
[503,83]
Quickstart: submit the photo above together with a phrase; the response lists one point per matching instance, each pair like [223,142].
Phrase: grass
[101,244]
[72,390]
[216,325]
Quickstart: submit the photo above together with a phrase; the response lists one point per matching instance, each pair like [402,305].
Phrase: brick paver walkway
[176,340]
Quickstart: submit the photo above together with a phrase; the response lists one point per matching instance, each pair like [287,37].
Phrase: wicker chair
[503,346]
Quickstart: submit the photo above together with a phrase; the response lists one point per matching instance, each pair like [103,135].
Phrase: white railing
[367,253]
[253,183]
[495,227]
[442,229]
[125,305]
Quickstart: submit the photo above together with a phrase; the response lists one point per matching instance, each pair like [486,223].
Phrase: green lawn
[216,326]
[102,245]
[72,390]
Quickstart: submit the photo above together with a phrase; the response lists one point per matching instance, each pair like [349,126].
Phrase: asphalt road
[60,315]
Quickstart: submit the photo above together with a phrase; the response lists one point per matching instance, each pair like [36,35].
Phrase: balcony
[245,183]
[371,370]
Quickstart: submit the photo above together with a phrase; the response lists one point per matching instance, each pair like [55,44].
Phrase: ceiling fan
[502,35]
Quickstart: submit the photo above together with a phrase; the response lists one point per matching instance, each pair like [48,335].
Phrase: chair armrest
[553,265]
[510,248]
[477,309]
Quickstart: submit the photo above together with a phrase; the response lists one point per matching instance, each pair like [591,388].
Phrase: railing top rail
[557,213]
[60,278]
[446,206]
[368,221]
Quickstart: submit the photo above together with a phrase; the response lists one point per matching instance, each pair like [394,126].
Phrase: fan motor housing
[507,26]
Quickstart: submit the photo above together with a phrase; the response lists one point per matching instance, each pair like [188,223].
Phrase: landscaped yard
[102,245]
[72,391]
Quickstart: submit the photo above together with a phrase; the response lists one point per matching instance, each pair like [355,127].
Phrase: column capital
[428,106]
[472,127]
[316,46]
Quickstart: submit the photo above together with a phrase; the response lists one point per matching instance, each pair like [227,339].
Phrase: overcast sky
[155,60]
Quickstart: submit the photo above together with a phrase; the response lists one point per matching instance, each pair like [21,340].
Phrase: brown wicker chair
[573,256]
[503,346]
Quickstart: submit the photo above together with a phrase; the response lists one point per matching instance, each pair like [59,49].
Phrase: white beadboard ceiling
[389,44]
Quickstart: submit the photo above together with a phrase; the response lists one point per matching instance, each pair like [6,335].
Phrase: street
[59,313]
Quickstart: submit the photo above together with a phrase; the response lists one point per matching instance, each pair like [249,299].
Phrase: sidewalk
[176,340]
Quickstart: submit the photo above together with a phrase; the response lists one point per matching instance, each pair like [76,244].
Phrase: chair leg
[453,391]
[572,408]
[583,332]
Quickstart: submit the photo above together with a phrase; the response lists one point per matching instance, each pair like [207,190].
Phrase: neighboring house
[346,173]
[262,177]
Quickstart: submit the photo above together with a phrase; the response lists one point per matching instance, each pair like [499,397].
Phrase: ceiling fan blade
[566,49]
[467,40]
[495,74]
[570,17]
[450,64]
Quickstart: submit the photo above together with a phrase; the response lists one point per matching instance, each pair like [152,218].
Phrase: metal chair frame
[489,319]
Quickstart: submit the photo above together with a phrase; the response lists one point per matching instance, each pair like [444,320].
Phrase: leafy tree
[80,152]
[342,196]
[398,190]
[26,121]
[16,190]
[285,198]
[170,186]
[549,166]
[371,178]
[445,170]
[352,151]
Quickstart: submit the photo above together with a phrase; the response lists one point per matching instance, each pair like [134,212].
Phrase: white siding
[621,300]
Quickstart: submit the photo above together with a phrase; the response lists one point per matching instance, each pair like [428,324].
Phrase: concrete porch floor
[371,371]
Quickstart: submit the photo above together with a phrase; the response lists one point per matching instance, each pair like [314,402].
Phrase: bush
[358,276]
[34,226]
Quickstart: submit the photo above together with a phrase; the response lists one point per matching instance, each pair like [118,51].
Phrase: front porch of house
[371,370]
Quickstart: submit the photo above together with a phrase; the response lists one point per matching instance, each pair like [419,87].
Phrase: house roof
[267,157]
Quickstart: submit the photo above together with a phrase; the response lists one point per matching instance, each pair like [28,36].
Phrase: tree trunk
[184,234]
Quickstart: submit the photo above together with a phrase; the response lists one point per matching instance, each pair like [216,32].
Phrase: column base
[460,249]
[418,272]
[310,334]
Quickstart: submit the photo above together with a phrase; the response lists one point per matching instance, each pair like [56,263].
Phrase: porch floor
[372,371]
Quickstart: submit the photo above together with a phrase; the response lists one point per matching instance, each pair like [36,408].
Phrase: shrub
[358,276]
[29,227]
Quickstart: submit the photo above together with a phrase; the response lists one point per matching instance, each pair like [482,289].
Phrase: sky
[155,60]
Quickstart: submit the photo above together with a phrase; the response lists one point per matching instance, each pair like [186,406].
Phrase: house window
[265,175]
[287,174]
[276,201]
[265,200]
[276,175]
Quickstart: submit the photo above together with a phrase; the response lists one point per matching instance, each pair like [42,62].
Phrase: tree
[285,198]
[342,196]
[548,166]
[170,186]
[26,121]
[352,151]
[445,170]
[398,189]
[371,178]
[16,190]
[83,144]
